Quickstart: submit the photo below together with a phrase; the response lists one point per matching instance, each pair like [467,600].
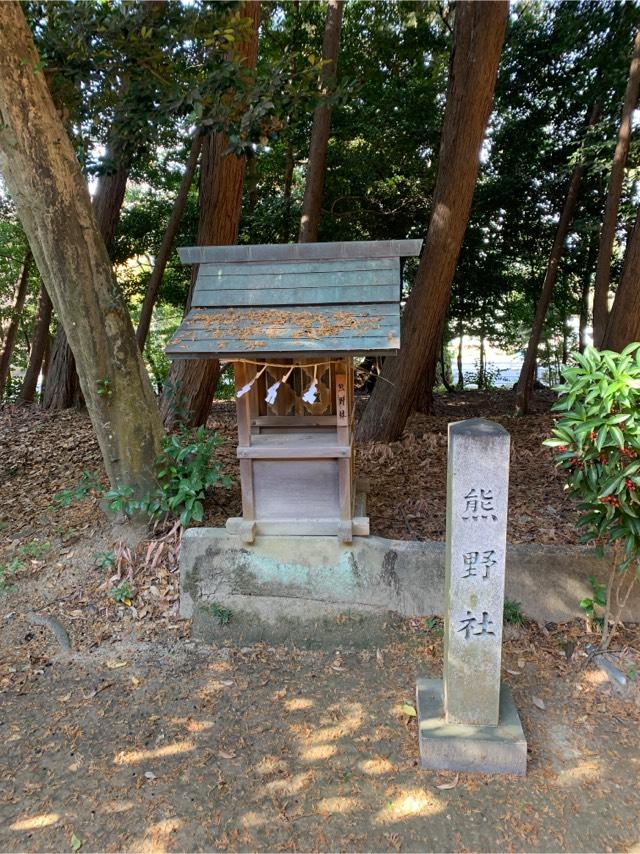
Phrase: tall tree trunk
[584,290]
[614,191]
[155,280]
[623,326]
[108,201]
[62,390]
[446,377]
[526,380]
[46,361]
[481,364]
[317,164]
[38,348]
[46,183]
[192,383]
[460,383]
[14,323]
[478,36]
[63,387]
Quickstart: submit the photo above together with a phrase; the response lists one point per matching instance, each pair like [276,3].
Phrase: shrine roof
[331,330]
[287,299]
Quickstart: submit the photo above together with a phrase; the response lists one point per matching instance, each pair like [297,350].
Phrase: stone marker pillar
[468,722]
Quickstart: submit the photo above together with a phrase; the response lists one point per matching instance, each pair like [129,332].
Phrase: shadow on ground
[153,748]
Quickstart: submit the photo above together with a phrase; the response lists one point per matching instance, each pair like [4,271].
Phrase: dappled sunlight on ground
[320,751]
[277,749]
[159,836]
[376,766]
[339,804]
[35,822]
[577,775]
[127,757]
[411,804]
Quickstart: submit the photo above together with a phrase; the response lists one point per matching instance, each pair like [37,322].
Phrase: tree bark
[155,280]
[478,36]
[63,387]
[317,164]
[527,373]
[14,323]
[460,383]
[614,192]
[46,183]
[192,383]
[583,323]
[623,326]
[62,390]
[46,361]
[108,201]
[38,348]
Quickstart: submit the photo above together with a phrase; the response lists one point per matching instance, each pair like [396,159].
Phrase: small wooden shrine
[292,317]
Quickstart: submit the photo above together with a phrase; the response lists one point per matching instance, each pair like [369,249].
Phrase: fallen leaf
[538,702]
[513,672]
[114,665]
[226,755]
[450,785]
[76,844]
[226,682]
[408,709]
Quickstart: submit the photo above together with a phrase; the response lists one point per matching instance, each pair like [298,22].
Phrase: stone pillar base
[458,747]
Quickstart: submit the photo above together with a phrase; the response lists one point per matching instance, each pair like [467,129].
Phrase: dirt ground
[174,747]
[142,739]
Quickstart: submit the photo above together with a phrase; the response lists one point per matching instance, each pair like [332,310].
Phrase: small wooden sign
[342,401]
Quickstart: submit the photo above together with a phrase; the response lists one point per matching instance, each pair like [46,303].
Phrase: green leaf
[618,435]
[601,438]
[76,844]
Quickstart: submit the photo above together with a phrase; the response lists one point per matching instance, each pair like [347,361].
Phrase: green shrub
[596,441]
[186,470]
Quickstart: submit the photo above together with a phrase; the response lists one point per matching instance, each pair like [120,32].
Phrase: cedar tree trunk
[614,191]
[624,320]
[590,259]
[192,383]
[478,36]
[527,373]
[38,348]
[46,183]
[317,164]
[460,383]
[62,390]
[164,252]
[14,323]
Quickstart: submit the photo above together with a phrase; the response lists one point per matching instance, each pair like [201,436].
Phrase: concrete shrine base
[458,747]
[315,591]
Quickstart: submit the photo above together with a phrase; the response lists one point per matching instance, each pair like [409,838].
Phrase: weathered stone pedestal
[467,721]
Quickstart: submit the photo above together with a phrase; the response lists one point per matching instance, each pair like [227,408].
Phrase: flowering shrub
[596,441]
